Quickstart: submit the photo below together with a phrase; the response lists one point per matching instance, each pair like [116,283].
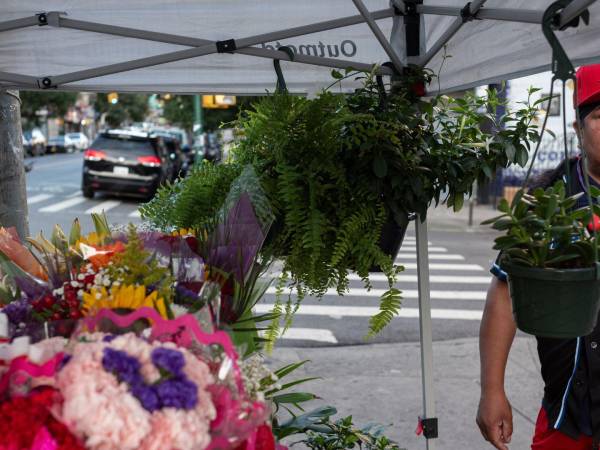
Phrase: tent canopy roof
[170,45]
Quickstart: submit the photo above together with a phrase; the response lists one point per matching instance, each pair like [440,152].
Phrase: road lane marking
[369,311]
[74,194]
[104,206]
[406,293]
[451,279]
[413,249]
[38,198]
[432,257]
[442,266]
[137,214]
[309,334]
[63,205]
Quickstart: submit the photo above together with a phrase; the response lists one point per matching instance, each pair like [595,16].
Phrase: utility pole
[13,194]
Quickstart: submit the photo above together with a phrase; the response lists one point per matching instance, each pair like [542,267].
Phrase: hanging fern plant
[336,168]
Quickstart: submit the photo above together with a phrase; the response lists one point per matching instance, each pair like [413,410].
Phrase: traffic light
[113,98]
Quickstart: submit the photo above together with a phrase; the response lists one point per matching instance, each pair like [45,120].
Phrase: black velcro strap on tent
[227,46]
[466,13]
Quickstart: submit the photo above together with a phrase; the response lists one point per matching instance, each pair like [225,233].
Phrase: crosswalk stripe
[434,256]
[442,266]
[63,205]
[310,334]
[369,311]
[74,194]
[137,214]
[406,293]
[104,206]
[38,198]
[413,249]
[450,279]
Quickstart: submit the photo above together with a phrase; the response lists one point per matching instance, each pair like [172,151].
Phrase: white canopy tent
[227,46]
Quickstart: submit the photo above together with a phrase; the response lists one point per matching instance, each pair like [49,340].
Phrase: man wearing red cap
[569,418]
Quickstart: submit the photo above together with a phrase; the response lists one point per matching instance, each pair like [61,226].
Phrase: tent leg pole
[425,330]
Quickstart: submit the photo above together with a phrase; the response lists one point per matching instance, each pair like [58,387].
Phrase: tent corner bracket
[228,46]
[45,83]
[42,19]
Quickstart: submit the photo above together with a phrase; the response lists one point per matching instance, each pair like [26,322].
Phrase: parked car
[124,161]
[60,144]
[79,140]
[34,142]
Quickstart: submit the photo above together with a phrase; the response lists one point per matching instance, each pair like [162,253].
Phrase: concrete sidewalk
[382,383]
[445,219]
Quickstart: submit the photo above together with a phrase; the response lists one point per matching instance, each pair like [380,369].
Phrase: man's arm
[496,335]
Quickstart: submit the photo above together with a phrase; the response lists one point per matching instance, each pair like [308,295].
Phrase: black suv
[123,161]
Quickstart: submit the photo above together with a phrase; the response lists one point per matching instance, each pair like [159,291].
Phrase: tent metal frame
[202,47]
[395,50]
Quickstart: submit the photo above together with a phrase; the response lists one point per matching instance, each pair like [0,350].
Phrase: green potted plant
[340,169]
[551,260]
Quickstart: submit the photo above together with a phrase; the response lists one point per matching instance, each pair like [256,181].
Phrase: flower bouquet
[49,285]
[170,386]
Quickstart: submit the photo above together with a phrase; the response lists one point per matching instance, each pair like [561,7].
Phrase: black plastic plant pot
[554,303]
[392,236]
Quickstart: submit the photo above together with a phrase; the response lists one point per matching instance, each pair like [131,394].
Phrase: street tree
[127,109]
[13,194]
[56,103]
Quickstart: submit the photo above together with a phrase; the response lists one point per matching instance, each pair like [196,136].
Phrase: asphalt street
[459,265]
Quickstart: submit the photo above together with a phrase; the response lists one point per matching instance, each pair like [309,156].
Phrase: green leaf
[337,74]
[522,156]
[493,219]
[291,384]
[286,370]
[294,398]
[503,206]
[562,258]
[459,199]
[380,166]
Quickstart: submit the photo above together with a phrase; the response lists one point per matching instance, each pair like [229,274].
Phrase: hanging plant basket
[554,303]
[392,236]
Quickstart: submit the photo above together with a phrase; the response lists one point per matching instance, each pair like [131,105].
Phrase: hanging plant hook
[281,86]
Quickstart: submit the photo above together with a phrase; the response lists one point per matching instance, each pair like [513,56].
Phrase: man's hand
[494,418]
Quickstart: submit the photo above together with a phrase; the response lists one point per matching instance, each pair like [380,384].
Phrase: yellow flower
[183,232]
[92,239]
[126,297]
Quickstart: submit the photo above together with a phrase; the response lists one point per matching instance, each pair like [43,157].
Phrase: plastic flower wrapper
[134,381]
[231,251]
[234,416]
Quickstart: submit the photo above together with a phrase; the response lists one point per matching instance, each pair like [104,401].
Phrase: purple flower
[178,393]
[167,359]
[17,311]
[126,368]
[64,361]
[146,395]
[108,338]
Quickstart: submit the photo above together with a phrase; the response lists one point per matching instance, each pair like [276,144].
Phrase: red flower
[264,440]
[23,418]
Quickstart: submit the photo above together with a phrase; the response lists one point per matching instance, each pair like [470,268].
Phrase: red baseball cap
[588,84]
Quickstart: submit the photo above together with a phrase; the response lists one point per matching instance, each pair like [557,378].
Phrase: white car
[78,140]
